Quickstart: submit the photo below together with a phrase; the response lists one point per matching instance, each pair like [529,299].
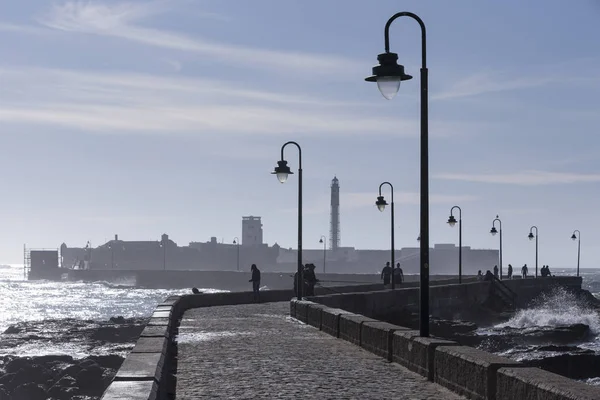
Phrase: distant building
[334,219]
[252,231]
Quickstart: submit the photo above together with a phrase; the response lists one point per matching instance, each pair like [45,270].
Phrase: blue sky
[146,117]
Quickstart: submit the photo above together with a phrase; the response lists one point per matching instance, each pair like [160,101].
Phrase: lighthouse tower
[334,222]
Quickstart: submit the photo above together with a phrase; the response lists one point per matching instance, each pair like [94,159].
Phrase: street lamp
[163,244]
[324,241]
[236,241]
[388,75]
[530,236]
[112,256]
[282,171]
[493,231]
[452,222]
[578,238]
[381,203]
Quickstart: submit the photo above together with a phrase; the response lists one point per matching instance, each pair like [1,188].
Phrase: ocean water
[53,302]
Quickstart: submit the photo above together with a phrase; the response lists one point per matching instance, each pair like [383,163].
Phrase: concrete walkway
[258,351]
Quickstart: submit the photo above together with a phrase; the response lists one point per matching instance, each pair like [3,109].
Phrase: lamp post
[112,256]
[324,241]
[282,171]
[236,241]
[163,244]
[388,75]
[530,236]
[578,238]
[493,231]
[381,203]
[452,222]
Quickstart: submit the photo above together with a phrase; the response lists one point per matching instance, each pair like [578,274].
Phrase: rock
[448,329]
[71,371]
[66,381]
[63,393]
[11,330]
[90,380]
[6,379]
[118,320]
[17,364]
[29,391]
[53,359]
[574,366]
[4,394]
[87,362]
[112,361]
[558,334]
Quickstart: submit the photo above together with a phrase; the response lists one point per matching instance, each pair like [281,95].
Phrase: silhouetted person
[496,271]
[524,271]
[398,274]
[510,271]
[548,271]
[488,276]
[543,271]
[310,279]
[386,274]
[479,275]
[255,282]
[195,290]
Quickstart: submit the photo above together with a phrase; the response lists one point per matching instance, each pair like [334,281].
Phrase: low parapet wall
[468,371]
[446,300]
[148,372]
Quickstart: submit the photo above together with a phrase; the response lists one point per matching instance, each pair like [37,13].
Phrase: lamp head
[574,237]
[451,220]
[388,75]
[493,231]
[282,171]
[321,240]
[381,203]
[530,236]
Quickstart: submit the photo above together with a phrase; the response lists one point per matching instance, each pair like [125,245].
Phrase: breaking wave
[557,308]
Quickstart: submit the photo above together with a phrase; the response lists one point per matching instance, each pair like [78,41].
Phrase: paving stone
[258,351]
[144,390]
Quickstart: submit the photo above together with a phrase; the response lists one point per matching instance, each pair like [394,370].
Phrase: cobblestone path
[256,351]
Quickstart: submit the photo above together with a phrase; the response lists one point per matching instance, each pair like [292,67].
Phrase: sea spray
[556,308]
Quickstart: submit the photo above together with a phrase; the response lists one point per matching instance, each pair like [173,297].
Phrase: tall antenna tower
[334,221]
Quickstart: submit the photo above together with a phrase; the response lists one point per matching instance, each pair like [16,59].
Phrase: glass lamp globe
[389,86]
[530,236]
[451,221]
[493,231]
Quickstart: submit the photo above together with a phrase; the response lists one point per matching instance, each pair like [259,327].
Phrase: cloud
[116,103]
[484,82]
[525,178]
[122,21]
[26,29]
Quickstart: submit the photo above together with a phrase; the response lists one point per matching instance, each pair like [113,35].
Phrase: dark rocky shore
[559,349]
[62,377]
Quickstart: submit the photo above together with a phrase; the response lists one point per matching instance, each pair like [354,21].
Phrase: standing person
[310,279]
[386,274]
[524,271]
[398,274]
[510,271]
[255,282]
[496,271]
[479,275]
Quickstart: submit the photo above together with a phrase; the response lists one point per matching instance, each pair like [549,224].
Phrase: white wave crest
[558,308]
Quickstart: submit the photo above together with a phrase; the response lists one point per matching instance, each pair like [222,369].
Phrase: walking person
[255,282]
[386,274]
[510,271]
[524,271]
[496,271]
[398,274]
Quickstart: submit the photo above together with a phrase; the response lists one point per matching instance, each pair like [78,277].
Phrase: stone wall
[470,372]
[453,301]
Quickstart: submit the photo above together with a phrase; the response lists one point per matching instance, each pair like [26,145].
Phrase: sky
[140,118]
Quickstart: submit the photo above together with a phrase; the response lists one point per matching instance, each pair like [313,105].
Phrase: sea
[49,303]
[39,301]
